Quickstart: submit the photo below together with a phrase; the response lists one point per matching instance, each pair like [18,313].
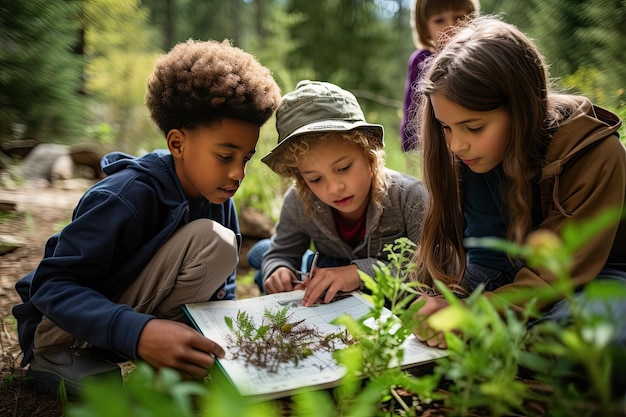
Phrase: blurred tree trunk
[79,48]
[260,19]
[169,29]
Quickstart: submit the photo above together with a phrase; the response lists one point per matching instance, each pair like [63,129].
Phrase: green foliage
[606,91]
[102,133]
[6,216]
[379,351]
[483,359]
[63,394]
[121,52]
[557,25]
[242,327]
[576,369]
[578,362]
[576,35]
[246,279]
[380,344]
[7,382]
[261,188]
[222,399]
[271,43]
[362,45]
[146,393]
[39,72]
[604,39]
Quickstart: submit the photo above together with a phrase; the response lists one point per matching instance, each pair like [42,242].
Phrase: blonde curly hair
[299,146]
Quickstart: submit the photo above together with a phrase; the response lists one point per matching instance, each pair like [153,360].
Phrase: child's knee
[217,243]
[256,252]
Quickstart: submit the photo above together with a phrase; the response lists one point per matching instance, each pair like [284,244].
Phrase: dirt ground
[40,213]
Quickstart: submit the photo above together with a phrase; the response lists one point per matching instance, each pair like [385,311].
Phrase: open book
[316,371]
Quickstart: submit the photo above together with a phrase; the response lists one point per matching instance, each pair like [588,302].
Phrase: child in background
[429,19]
[504,156]
[344,202]
[159,231]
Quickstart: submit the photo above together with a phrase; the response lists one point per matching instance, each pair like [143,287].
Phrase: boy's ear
[175,142]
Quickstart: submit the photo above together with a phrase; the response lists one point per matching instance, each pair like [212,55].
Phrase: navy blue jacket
[117,227]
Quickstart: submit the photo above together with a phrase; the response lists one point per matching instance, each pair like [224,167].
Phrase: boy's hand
[170,344]
[327,282]
[281,280]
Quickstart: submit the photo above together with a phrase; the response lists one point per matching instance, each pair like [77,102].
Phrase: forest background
[74,71]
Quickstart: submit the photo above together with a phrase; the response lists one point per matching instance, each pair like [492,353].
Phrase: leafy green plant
[378,352]
[576,361]
[575,369]
[278,339]
[7,381]
[483,357]
[147,393]
[381,344]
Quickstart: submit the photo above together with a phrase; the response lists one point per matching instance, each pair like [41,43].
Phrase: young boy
[158,232]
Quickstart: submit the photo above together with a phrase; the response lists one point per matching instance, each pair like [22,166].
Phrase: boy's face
[340,175]
[211,161]
[441,22]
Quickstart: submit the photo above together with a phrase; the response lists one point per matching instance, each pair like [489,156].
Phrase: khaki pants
[188,268]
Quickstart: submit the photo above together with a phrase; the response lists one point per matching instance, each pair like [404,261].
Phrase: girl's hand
[422,331]
[281,280]
[327,282]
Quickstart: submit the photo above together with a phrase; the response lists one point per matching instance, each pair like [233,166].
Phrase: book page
[319,370]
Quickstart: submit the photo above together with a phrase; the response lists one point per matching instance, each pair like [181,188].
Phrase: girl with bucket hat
[343,201]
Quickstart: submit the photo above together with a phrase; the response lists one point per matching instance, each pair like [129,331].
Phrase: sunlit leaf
[449,318]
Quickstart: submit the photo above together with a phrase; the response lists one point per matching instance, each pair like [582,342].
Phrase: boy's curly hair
[299,146]
[198,83]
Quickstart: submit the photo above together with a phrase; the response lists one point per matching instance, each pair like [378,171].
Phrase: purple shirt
[416,67]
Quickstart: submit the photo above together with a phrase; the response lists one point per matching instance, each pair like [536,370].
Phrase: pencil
[307,274]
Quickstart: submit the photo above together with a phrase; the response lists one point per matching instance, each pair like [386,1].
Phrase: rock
[88,156]
[18,149]
[9,243]
[38,164]
[254,224]
[62,169]
[50,162]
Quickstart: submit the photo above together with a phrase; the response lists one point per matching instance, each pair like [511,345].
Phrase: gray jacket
[401,216]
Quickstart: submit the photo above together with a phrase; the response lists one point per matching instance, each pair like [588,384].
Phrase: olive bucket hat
[316,106]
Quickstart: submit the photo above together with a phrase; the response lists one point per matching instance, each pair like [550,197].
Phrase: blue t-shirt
[486,215]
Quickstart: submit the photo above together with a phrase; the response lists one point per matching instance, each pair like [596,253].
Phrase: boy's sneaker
[71,366]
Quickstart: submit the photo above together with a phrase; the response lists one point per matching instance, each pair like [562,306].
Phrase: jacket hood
[586,125]
[157,165]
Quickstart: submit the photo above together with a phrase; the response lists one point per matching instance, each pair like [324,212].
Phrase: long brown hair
[486,65]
